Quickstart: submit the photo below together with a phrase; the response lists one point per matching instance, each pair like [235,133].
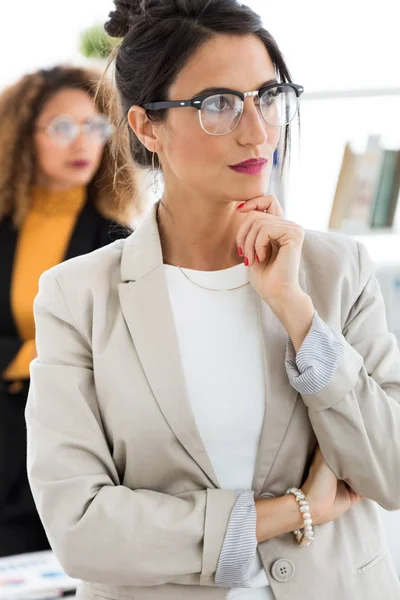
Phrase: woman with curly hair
[58,199]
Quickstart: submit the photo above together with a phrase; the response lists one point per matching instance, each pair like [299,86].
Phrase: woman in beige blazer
[220,379]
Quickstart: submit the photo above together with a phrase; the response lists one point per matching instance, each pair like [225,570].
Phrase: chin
[247,187]
[247,191]
[80,179]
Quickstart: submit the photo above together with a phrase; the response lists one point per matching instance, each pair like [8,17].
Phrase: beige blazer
[120,475]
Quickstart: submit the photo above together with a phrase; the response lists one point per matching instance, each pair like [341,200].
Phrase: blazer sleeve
[356,417]
[100,530]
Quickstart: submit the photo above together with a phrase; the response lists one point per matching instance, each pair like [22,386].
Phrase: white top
[221,346]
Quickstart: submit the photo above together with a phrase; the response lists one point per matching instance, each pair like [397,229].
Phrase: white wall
[335,45]
[41,33]
[341,45]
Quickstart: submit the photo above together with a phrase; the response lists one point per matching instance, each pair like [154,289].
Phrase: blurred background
[345,171]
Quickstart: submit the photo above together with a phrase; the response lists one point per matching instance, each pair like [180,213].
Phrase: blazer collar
[142,251]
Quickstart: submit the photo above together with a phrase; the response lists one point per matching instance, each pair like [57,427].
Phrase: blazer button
[283,570]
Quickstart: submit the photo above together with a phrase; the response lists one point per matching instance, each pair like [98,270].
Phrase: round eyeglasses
[220,110]
[64,129]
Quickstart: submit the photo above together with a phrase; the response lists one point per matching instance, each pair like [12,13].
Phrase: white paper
[33,576]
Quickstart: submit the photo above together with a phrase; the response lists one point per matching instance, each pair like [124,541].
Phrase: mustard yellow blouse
[42,243]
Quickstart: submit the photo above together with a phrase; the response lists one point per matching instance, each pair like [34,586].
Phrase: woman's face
[62,162]
[195,160]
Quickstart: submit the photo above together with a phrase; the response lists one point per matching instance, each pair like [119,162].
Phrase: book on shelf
[345,188]
[367,189]
[388,190]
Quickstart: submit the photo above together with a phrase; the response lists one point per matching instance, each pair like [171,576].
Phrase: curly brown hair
[112,188]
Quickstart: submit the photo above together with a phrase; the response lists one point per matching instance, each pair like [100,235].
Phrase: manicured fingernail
[258,258]
[240,251]
[240,206]
[246,261]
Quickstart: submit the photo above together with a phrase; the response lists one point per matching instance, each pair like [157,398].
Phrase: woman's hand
[329,498]
[272,248]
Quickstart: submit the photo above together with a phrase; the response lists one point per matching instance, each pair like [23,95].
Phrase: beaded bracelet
[303,538]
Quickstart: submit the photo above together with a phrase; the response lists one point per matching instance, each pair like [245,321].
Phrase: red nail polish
[240,206]
[258,258]
[240,251]
[246,261]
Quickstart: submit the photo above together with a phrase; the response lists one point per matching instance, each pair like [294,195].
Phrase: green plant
[95,43]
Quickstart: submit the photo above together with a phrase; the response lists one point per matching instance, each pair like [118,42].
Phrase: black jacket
[92,231]
[20,527]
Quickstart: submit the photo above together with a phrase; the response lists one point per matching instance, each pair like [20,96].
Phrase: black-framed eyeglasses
[64,129]
[220,111]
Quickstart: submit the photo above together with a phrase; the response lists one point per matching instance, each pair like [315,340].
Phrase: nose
[81,140]
[252,129]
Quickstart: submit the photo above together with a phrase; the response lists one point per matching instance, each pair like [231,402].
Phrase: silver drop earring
[155,184]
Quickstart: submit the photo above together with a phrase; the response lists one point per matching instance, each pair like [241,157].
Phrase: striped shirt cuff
[318,359]
[240,544]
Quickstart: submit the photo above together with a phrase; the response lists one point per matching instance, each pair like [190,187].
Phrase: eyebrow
[215,90]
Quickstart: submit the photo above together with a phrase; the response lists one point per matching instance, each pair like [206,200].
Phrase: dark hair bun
[122,18]
[129,12]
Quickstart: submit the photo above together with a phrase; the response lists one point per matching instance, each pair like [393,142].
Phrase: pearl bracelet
[303,538]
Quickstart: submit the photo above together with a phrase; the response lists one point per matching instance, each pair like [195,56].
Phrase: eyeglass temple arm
[172,104]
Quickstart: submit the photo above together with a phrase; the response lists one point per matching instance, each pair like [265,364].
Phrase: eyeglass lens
[65,129]
[221,113]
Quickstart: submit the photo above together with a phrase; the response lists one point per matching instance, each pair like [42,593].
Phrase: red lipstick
[79,164]
[253,166]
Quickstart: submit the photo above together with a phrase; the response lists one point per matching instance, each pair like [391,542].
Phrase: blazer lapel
[281,398]
[146,307]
